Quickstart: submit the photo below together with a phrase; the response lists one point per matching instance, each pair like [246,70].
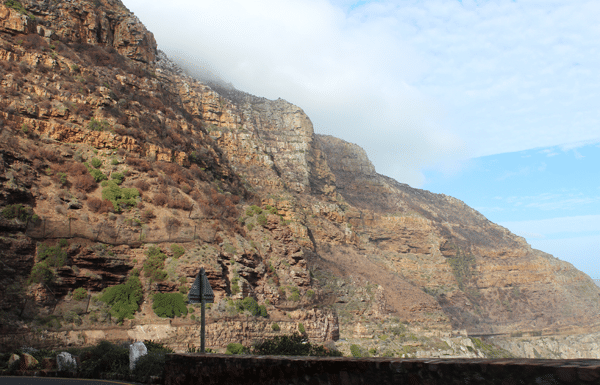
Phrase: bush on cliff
[154,263]
[40,273]
[124,299]
[235,348]
[169,305]
[120,197]
[20,212]
[53,255]
[252,306]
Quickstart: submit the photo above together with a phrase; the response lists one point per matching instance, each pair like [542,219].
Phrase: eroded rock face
[105,22]
[300,221]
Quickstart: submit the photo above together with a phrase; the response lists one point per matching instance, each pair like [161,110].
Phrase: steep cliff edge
[300,222]
[485,278]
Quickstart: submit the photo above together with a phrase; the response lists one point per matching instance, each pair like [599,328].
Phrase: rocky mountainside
[109,151]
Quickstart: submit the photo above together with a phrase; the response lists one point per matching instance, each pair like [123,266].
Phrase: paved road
[56,381]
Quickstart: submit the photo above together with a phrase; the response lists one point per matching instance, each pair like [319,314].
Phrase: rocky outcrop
[101,22]
[557,346]
[298,221]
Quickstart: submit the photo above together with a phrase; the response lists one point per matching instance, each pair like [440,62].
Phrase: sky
[496,103]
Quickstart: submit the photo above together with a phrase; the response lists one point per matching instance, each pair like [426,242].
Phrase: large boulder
[136,350]
[28,361]
[66,362]
[13,358]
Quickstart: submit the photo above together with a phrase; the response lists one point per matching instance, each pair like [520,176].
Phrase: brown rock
[27,361]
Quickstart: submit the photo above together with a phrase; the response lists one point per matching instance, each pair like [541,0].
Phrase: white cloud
[417,84]
[552,201]
[547,227]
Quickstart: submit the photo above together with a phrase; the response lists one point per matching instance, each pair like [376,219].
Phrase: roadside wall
[183,369]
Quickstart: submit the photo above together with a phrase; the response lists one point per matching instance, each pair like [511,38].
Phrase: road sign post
[201,292]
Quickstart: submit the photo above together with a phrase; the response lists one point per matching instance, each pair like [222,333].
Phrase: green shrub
[18,211]
[54,256]
[40,273]
[177,250]
[117,177]
[255,209]
[98,125]
[262,311]
[80,294]
[292,345]
[149,365]
[119,197]
[301,328]
[123,299]
[183,289]
[261,220]
[310,293]
[271,209]
[98,175]
[275,327]
[63,242]
[154,263]
[62,177]
[114,162]
[104,358]
[17,6]
[235,287]
[249,226]
[355,350]
[169,305]
[294,293]
[235,348]
[96,163]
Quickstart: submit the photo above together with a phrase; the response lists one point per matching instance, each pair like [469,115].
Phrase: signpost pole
[201,292]
[202,311]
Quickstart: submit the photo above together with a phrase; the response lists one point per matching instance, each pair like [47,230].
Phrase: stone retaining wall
[182,369]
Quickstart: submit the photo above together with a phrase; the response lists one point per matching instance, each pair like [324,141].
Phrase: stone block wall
[182,369]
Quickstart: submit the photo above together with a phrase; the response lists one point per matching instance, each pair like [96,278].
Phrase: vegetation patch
[118,177]
[104,358]
[491,350]
[98,175]
[120,197]
[154,263]
[98,125]
[292,345]
[124,299]
[169,305]
[20,212]
[17,6]
[177,250]
[41,273]
[250,304]
[151,364]
[236,348]
[79,294]
[462,266]
[53,256]
[96,163]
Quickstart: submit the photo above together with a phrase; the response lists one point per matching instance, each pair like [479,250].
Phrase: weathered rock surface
[65,361]
[301,222]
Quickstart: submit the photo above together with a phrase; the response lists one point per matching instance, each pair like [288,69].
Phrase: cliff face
[298,221]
